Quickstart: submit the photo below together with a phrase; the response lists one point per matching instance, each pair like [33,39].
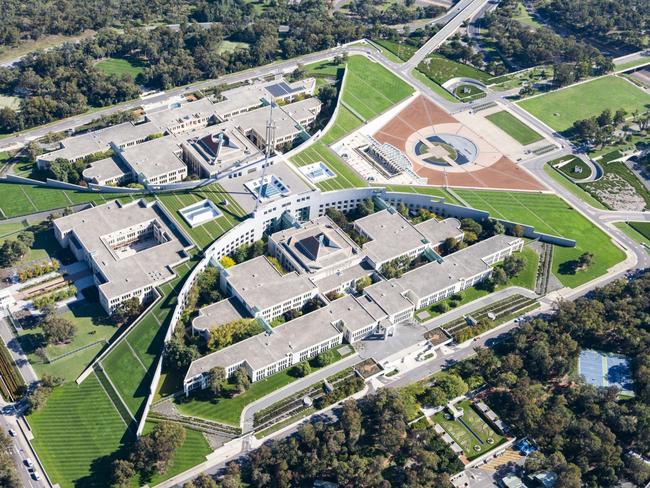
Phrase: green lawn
[130,364]
[346,177]
[93,326]
[441,69]
[205,234]
[583,195]
[435,87]
[524,17]
[371,89]
[551,214]
[528,276]
[633,64]
[559,109]
[230,46]
[403,52]
[325,68]
[8,231]
[121,66]
[514,127]
[426,190]
[45,244]
[344,124]
[630,228]
[77,434]
[468,92]
[192,452]
[463,436]
[19,199]
[576,168]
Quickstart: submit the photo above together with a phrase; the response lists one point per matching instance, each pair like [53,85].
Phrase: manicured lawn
[514,127]
[426,190]
[463,436]
[469,92]
[346,177]
[93,326]
[561,108]
[370,89]
[121,66]
[45,244]
[192,452]
[10,230]
[19,199]
[575,168]
[573,188]
[344,124]
[205,234]
[435,87]
[130,365]
[552,215]
[441,69]
[402,51]
[528,276]
[631,232]
[77,433]
[325,68]
[642,228]
[633,64]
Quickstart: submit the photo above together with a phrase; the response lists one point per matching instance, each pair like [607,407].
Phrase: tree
[241,380]
[514,264]
[471,226]
[227,262]
[153,451]
[362,283]
[126,311]
[226,334]
[12,251]
[325,358]
[300,370]
[517,230]
[217,380]
[402,209]
[57,329]
[122,472]
[26,237]
[178,355]
[585,260]
[207,284]
[452,384]
[499,276]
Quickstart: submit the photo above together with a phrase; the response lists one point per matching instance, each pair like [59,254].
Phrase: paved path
[16,351]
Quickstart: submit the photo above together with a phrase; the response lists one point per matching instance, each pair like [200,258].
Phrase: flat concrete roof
[332,281]
[105,169]
[168,116]
[437,231]
[389,296]
[155,157]
[317,245]
[392,235]
[261,285]
[124,273]
[219,313]
[285,117]
[99,140]
[264,349]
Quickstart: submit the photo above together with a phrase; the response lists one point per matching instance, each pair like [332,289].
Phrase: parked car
[36,476]
[28,462]
[12,432]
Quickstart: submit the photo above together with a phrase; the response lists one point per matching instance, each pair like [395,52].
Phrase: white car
[28,462]
[12,432]
[36,476]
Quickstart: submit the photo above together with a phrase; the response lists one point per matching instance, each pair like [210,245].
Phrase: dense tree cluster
[38,396]
[65,81]
[371,445]
[526,47]
[586,435]
[608,21]
[13,250]
[396,13]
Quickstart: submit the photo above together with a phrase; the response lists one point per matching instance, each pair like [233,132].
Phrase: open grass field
[561,108]
[346,177]
[643,60]
[231,46]
[370,89]
[425,190]
[326,68]
[19,199]
[403,52]
[514,127]
[460,431]
[441,69]
[433,85]
[192,452]
[524,17]
[552,215]
[573,188]
[205,234]
[121,66]
[344,124]
[130,365]
[77,433]
[93,327]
